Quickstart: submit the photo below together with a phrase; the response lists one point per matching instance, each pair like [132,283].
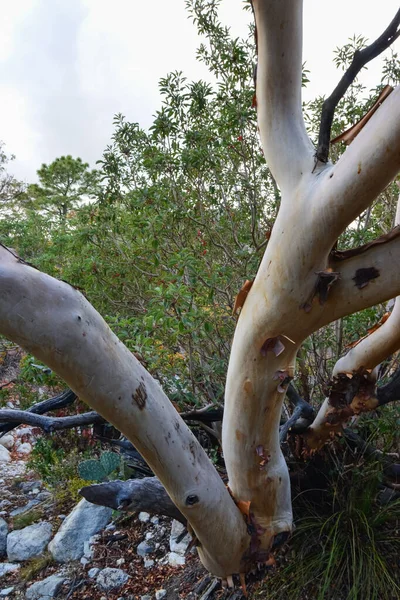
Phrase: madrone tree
[303,283]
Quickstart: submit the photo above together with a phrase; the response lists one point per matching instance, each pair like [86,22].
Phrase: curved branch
[364,280]
[55,323]
[360,59]
[367,166]
[287,148]
[60,401]
[48,424]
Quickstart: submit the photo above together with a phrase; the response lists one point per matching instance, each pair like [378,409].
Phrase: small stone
[23,431]
[23,509]
[111,527]
[177,530]
[4,592]
[92,573]
[148,563]
[120,561]
[87,549]
[47,588]
[25,448]
[7,441]
[6,568]
[5,456]
[28,486]
[155,520]
[149,535]
[146,597]
[144,517]
[175,559]
[111,579]
[160,594]
[145,547]
[84,561]
[43,495]
[3,537]
[28,542]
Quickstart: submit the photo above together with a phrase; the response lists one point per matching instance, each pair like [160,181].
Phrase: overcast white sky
[67,66]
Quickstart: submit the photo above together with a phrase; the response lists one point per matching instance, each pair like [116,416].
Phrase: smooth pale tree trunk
[300,287]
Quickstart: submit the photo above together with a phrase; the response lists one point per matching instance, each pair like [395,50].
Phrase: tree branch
[364,280]
[367,166]
[54,322]
[60,401]
[147,494]
[301,410]
[49,424]
[287,148]
[360,59]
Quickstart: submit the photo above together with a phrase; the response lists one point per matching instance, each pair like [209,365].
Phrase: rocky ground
[89,553]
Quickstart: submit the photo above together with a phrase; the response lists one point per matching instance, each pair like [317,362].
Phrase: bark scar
[140,396]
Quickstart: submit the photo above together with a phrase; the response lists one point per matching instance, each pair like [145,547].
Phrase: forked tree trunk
[300,287]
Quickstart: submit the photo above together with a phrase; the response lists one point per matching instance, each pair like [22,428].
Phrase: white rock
[7,441]
[177,529]
[25,448]
[144,517]
[28,542]
[148,563]
[45,589]
[146,597]
[84,561]
[155,520]
[111,579]
[176,560]
[6,568]
[23,431]
[92,573]
[4,455]
[4,592]
[149,535]
[85,520]
[120,561]
[160,594]
[3,537]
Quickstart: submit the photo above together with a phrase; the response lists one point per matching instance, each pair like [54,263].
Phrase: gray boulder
[45,589]
[111,579]
[28,542]
[85,520]
[3,537]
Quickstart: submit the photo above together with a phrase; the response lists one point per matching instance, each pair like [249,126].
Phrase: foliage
[34,566]
[10,188]
[345,542]
[64,184]
[99,470]
[28,518]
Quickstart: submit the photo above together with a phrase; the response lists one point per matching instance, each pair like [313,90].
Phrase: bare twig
[360,59]
[49,424]
[301,410]
[60,401]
